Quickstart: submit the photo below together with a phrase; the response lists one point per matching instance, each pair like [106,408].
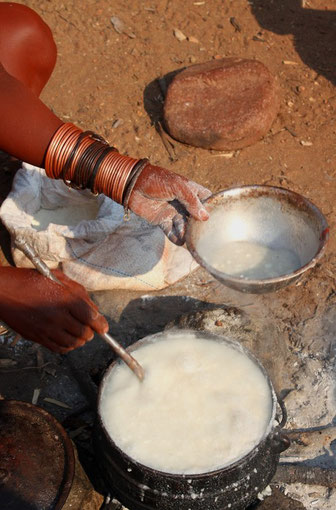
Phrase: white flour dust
[67,215]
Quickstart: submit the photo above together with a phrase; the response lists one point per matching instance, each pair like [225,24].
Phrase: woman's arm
[27,127]
[26,124]
[63,317]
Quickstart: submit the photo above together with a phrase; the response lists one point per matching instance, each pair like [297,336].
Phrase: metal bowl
[273,217]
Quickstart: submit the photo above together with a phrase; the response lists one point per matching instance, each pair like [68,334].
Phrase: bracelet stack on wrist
[84,160]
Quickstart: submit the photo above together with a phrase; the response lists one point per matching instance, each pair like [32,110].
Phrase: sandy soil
[108,82]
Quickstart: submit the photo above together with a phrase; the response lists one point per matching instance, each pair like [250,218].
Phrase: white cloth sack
[101,254]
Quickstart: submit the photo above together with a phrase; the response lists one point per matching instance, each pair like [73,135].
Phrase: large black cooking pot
[234,487]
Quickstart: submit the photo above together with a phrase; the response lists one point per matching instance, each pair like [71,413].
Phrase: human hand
[60,317]
[166,199]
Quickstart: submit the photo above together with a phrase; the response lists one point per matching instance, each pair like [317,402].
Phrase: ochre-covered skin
[27,59]
[27,48]
[154,198]
[58,317]
[26,124]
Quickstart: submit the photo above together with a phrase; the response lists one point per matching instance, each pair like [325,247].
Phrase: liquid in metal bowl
[276,220]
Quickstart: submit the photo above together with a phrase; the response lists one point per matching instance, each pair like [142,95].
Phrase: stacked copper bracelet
[85,160]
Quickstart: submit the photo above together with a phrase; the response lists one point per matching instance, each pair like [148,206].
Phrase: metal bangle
[136,171]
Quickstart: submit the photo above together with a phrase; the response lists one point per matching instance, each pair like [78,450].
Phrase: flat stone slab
[222,104]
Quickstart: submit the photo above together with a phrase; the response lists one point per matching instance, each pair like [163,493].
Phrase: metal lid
[36,458]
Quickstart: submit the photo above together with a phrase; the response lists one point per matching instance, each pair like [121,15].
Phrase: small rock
[235,24]
[258,38]
[179,35]
[223,104]
[265,493]
[226,155]
[306,144]
[119,27]
[193,39]
[118,24]
[117,123]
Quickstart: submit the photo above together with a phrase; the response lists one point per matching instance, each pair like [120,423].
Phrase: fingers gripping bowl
[258,238]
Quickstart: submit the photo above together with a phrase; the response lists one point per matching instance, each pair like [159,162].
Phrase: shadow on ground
[314,31]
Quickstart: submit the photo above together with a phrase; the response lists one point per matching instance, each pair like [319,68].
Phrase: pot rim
[194,476]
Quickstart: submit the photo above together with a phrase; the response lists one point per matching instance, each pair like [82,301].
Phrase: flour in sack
[102,253]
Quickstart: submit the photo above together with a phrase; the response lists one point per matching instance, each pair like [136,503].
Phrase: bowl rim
[236,190]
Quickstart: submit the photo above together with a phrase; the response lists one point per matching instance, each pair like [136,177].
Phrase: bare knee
[27,48]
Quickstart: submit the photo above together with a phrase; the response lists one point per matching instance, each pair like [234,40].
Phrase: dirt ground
[103,77]
[107,82]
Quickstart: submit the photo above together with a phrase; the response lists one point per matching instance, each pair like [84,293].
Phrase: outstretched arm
[27,58]
[27,126]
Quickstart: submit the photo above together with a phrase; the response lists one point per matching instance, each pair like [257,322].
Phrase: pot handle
[282,406]
[280,440]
